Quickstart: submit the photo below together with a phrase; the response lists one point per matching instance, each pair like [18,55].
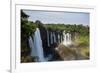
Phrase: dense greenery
[28,27]
[83,30]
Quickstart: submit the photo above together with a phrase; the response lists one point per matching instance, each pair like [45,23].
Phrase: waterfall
[58,38]
[32,47]
[54,37]
[48,38]
[51,37]
[67,39]
[61,38]
[36,47]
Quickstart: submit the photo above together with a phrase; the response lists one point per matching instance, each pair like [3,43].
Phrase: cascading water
[36,47]
[67,39]
[58,38]
[54,37]
[33,53]
[51,38]
[48,38]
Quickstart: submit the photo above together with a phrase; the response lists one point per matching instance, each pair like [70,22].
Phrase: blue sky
[58,17]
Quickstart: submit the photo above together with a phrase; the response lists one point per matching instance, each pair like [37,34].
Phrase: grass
[83,46]
[85,52]
[82,40]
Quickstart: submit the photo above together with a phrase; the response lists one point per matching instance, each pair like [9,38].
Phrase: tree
[23,15]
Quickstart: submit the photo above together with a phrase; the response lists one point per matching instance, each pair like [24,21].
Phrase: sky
[58,17]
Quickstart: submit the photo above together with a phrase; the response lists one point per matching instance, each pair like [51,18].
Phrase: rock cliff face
[43,33]
[53,39]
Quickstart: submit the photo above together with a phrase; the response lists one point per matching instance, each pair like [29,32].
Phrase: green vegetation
[83,30]
[82,40]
